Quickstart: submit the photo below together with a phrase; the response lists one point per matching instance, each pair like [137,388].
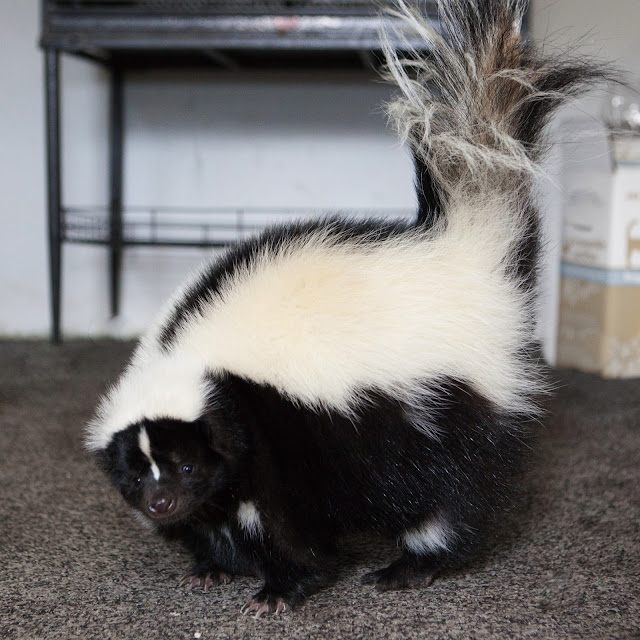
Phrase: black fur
[429,202]
[315,476]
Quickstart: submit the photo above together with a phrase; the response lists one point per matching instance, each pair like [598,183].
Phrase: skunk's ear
[116,457]
[110,461]
[106,458]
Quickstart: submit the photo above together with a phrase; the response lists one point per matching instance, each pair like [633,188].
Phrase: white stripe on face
[145,446]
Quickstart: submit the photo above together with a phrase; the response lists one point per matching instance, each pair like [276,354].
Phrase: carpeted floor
[75,564]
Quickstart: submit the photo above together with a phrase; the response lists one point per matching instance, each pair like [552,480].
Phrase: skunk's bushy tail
[473,109]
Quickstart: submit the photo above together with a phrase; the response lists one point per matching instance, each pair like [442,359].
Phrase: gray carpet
[74,563]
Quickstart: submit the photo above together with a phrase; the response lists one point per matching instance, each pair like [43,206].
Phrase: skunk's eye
[138,480]
[187,468]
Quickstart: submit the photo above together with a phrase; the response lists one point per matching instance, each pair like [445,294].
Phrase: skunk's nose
[162,506]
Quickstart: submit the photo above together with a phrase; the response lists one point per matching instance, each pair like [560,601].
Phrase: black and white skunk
[334,377]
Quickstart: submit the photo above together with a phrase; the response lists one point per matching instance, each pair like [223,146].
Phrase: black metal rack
[225,34]
[188,226]
[222,32]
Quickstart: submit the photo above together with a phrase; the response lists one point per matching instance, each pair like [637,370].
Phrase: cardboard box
[599,319]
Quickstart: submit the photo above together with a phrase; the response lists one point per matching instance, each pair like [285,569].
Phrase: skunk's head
[167,469]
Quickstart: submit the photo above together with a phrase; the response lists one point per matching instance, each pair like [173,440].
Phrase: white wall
[207,139]
[23,272]
[605,30]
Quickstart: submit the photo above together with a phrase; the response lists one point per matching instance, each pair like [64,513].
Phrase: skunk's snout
[161,506]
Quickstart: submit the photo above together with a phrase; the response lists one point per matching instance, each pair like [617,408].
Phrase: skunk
[335,377]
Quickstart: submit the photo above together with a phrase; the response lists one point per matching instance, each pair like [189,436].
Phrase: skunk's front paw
[264,603]
[205,581]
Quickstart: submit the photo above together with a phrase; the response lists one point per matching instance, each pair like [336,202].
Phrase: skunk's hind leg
[427,550]
[410,570]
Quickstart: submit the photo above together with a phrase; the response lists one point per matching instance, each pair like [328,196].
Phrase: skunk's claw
[204,582]
[262,604]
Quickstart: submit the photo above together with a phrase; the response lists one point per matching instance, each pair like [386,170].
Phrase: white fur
[446,108]
[432,537]
[322,321]
[249,519]
[154,387]
[145,446]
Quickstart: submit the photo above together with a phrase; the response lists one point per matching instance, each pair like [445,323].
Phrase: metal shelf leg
[52,94]
[115,180]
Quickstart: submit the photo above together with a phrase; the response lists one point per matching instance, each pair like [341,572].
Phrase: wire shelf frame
[195,226]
